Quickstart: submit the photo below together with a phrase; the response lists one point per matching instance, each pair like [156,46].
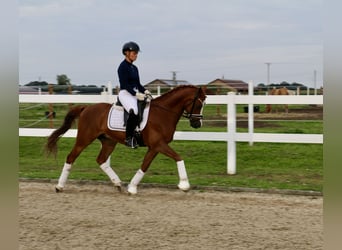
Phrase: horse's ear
[203,90]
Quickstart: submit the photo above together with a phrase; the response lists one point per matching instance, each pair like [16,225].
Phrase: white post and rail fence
[231,136]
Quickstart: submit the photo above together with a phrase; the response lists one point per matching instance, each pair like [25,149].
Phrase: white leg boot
[183,177]
[63,178]
[111,174]
[133,185]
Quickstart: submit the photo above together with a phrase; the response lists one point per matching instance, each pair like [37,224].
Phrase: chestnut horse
[165,112]
[274,91]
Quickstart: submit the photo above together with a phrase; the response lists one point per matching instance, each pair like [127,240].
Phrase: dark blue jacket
[129,78]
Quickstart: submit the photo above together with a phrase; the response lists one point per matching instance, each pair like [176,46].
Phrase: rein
[185,114]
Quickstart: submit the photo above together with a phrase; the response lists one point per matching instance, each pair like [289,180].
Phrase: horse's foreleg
[133,185]
[183,184]
[183,177]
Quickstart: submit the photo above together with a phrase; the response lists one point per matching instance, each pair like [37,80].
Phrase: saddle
[141,107]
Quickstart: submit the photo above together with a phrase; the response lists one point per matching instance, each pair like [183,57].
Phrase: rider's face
[131,55]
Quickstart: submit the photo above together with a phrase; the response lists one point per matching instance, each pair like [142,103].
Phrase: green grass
[263,165]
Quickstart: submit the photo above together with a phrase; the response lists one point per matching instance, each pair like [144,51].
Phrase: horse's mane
[178,88]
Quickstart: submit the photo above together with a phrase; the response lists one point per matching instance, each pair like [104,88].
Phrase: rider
[131,90]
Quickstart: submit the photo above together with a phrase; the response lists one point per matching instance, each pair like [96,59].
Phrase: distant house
[225,85]
[164,84]
[28,90]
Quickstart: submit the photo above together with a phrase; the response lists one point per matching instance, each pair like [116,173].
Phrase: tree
[63,80]
[296,84]
[37,83]
[284,83]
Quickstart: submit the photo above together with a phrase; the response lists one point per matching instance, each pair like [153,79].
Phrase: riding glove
[140,96]
[148,95]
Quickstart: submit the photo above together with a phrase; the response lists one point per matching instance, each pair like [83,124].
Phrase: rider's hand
[148,95]
[140,96]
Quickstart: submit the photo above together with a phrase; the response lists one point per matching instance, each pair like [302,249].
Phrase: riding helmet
[130,46]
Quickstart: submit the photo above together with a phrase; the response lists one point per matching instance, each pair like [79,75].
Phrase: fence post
[50,87]
[109,95]
[70,93]
[250,113]
[231,144]
[109,88]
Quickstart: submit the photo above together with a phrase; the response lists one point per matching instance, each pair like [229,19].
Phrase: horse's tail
[71,116]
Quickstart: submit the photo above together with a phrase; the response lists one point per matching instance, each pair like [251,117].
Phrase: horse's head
[193,108]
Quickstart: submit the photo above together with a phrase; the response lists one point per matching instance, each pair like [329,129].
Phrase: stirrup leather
[131,142]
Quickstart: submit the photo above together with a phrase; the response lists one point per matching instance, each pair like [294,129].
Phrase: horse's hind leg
[133,185]
[63,177]
[75,152]
[103,160]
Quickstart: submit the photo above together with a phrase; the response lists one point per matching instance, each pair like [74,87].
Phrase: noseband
[191,115]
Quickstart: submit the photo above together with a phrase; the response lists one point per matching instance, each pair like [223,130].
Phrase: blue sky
[201,40]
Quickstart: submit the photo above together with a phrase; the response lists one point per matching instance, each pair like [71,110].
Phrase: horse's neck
[174,102]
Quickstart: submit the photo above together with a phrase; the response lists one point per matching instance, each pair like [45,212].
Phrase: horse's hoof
[184,186]
[58,189]
[119,188]
[132,189]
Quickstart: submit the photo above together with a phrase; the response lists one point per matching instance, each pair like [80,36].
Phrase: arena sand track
[98,217]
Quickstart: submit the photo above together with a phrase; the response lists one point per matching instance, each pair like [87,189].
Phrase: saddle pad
[116,118]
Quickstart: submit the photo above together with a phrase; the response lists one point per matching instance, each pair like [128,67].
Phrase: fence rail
[231,136]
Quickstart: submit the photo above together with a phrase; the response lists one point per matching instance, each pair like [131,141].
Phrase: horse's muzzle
[195,123]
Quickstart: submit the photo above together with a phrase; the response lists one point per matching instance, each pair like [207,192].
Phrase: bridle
[190,115]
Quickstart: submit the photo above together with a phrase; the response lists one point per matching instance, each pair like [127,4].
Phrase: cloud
[200,39]
[51,8]
[247,25]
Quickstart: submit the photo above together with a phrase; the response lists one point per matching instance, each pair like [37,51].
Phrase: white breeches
[128,101]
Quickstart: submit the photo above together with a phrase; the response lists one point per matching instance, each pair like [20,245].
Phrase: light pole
[174,77]
[268,72]
[315,80]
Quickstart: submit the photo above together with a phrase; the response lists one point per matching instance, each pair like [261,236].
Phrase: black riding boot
[130,128]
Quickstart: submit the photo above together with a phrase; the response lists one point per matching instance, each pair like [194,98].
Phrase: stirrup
[131,142]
